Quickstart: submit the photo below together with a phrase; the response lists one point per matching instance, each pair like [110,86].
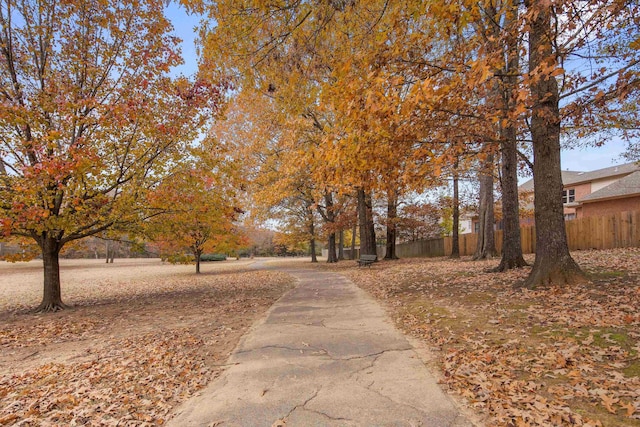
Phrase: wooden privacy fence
[619,230]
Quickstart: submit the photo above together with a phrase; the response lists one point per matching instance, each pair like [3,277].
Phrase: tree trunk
[312,233]
[341,245]
[455,243]
[553,262]
[107,250]
[197,254]
[52,297]
[511,241]
[486,246]
[312,244]
[392,215]
[353,236]
[331,255]
[367,230]
[114,247]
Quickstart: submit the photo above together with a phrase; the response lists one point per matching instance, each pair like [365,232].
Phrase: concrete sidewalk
[325,355]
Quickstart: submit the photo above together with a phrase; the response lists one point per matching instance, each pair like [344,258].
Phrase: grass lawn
[555,356]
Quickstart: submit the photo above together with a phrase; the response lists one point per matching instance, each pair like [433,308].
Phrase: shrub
[213,257]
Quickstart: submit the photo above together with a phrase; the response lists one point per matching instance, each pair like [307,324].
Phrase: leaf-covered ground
[558,356]
[140,338]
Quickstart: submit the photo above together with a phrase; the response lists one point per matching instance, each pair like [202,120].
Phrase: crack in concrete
[375,357]
[315,394]
[377,354]
[319,324]
[395,402]
[310,350]
[326,415]
[281,347]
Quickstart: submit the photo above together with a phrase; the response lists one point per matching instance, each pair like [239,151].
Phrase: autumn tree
[275,153]
[401,86]
[558,33]
[199,211]
[90,119]
[506,91]
[311,42]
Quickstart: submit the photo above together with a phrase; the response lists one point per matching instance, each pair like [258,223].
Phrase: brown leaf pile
[135,381]
[555,356]
[129,356]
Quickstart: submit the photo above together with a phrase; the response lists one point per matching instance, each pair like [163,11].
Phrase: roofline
[598,179]
[620,196]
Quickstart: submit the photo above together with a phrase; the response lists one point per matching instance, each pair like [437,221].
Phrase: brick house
[599,192]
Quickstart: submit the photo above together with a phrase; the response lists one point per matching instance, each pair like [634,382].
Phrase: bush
[213,257]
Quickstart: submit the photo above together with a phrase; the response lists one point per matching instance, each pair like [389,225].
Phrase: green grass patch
[608,337]
[478,298]
[605,274]
[633,370]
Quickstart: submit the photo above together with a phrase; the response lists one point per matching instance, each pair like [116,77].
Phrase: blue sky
[184,25]
[592,158]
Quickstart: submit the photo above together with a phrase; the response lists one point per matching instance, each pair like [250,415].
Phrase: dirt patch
[555,356]
[140,338]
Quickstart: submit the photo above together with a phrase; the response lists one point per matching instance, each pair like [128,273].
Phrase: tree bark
[511,240]
[553,263]
[330,218]
[312,233]
[486,246]
[331,255]
[52,296]
[367,230]
[455,242]
[354,230]
[392,215]
[312,244]
[197,254]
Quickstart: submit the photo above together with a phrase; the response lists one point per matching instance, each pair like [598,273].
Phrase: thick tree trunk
[511,241]
[332,256]
[312,244]
[486,246]
[392,215]
[52,297]
[455,238]
[553,262]
[367,230]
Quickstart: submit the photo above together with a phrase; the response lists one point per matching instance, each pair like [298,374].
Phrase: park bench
[367,260]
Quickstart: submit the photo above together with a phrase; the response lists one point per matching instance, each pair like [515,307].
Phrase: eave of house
[628,186]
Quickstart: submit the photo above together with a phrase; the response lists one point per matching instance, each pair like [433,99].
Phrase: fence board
[618,230]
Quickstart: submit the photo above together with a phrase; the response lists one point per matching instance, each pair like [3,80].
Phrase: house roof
[609,172]
[567,177]
[577,177]
[627,186]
